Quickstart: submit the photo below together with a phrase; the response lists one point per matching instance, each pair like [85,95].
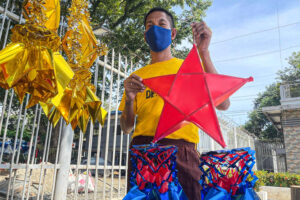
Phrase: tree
[125,20]
[258,123]
[292,73]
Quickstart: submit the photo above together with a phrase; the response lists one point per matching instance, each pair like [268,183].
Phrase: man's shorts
[187,158]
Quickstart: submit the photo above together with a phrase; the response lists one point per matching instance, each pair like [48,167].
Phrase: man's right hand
[133,84]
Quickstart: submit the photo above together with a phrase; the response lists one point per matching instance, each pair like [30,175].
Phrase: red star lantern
[191,95]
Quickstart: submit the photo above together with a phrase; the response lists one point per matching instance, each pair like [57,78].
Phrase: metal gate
[270,156]
[32,150]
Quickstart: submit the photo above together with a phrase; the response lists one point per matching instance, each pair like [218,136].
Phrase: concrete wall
[291,131]
[276,193]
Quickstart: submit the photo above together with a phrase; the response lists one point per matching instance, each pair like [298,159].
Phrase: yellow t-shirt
[148,105]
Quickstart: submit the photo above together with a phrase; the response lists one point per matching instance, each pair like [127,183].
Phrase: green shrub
[276,179]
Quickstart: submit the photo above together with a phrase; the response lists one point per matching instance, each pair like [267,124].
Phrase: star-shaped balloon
[31,63]
[191,95]
[78,103]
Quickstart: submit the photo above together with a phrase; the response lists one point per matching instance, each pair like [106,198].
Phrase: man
[142,102]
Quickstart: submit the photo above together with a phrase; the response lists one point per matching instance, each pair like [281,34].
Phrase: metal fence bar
[127,145]
[100,128]
[35,166]
[98,144]
[14,150]
[78,162]
[83,166]
[8,25]
[110,67]
[3,110]
[4,17]
[120,164]
[34,149]
[20,142]
[108,121]
[43,159]
[6,125]
[11,15]
[61,26]
[36,136]
[121,146]
[87,180]
[30,148]
[91,134]
[56,157]
[47,156]
[115,128]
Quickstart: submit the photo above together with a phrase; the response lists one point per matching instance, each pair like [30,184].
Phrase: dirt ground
[46,178]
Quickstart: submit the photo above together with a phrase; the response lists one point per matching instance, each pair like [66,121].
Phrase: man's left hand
[202,35]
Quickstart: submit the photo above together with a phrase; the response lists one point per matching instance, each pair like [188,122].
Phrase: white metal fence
[31,151]
[234,136]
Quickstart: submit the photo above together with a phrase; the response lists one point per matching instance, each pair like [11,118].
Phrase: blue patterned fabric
[228,175]
[154,176]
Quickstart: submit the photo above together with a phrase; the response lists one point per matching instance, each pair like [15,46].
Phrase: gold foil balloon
[50,9]
[31,63]
[80,43]
[78,102]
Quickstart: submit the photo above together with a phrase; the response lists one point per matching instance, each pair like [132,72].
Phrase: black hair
[170,16]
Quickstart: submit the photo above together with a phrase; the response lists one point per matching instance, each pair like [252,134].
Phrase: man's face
[158,18]
[161,19]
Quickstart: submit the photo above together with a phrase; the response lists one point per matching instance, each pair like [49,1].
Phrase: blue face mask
[158,38]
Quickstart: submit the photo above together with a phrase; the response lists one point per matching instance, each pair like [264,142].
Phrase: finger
[134,90]
[131,84]
[137,82]
[194,27]
[134,76]
[200,34]
[199,24]
[132,87]
[204,31]
[200,29]
[132,80]
[197,32]
[194,24]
